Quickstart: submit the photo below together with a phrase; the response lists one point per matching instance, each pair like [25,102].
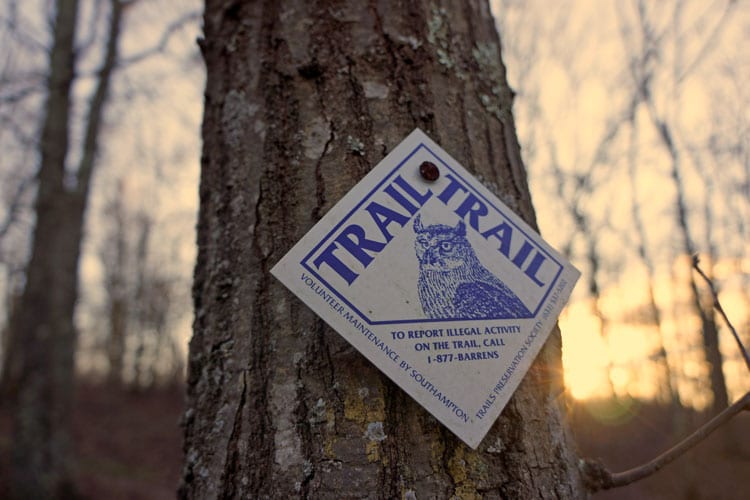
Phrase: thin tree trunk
[585,230]
[709,329]
[115,262]
[118,328]
[592,258]
[40,368]
[302,100]
[43,357]
[669,391]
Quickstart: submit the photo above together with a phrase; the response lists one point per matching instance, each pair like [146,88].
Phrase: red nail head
[429,171]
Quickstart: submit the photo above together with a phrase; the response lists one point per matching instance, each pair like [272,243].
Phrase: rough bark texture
[303,98]
[43,335]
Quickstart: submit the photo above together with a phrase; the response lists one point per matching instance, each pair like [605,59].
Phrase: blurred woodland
[99,174]
[634,122]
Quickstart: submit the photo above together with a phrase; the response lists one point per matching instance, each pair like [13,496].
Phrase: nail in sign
[436,281]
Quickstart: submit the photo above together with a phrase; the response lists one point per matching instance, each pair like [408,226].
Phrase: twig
[717,306]
[15,204]
[598,477]
[710,41]
[161,45]
[98,101]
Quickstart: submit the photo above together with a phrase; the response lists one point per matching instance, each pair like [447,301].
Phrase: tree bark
[302,100]
[43,335]
[41,326]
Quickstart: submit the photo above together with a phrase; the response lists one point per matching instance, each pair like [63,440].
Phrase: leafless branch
[21,93]
[598,477]
[98,100]
[170,30]
[93,29]
[709,43]
[720,309]
[14,205]
[11,124]
[21,35]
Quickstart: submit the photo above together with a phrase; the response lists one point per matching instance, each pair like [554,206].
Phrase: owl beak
[432,258]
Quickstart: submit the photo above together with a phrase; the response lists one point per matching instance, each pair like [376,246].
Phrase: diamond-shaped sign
[436,281]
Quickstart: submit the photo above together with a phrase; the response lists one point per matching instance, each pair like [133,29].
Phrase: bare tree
[140,295]
[662,56]
[584,229]
[664,127]
[156,357]
[117,270]
[42,332]
[302,100]
[667,46]
[653,314]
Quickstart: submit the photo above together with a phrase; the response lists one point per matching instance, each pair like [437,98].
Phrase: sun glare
[622,355]
[585,356]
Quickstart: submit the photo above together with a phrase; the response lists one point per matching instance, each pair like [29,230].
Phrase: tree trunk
[669,391]
[41,326]
[115,262]
[302,100]
[709,329]
[43,335]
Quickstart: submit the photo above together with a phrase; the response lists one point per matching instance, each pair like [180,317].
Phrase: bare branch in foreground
[717,306]
[598,477]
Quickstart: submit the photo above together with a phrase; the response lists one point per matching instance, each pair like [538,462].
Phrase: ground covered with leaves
[628,433]
[129,446]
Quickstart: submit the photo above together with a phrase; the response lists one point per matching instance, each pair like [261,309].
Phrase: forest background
[634,122]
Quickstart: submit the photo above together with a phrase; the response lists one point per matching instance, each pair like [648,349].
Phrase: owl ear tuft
[461,228]
[418,228]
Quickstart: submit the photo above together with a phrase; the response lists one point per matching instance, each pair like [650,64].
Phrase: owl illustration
[453,284]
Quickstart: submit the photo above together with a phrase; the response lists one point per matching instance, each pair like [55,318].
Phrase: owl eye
[446,246]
